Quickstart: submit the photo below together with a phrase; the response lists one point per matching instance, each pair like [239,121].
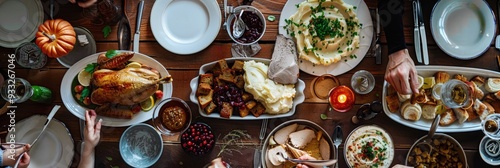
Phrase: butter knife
[423,36]
[378,50]
[137,34]
[416,33]
[49,118]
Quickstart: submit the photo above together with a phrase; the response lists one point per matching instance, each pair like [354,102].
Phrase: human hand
[92,130]
[305,157]
[401,73]
[10,157]
[84,4]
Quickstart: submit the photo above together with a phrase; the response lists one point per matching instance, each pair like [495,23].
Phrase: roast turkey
[127,86]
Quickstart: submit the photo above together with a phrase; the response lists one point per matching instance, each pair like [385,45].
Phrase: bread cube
[258,110]
[227,110]
[207,78]
[205,100]
[203,89]
[210,108]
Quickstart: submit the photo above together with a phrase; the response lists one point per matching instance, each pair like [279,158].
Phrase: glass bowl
[141,145]
[172,116]
[455,93]
[198,139]
[362,82]
[249,14]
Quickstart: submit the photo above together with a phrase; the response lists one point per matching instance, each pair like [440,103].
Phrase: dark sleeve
[391,19]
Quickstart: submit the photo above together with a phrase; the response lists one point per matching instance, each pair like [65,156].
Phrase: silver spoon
[337,140]
[426,144]
[313,163]
[238,26]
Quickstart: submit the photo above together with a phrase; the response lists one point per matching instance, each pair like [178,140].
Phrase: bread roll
[472,115]
[478,93]
[441,77]
[478,80]
[412,112]
[392,102]
[460,77]
[461,115]
[492,85]
[429,111]
[403,98]
[481,109]
[447,118]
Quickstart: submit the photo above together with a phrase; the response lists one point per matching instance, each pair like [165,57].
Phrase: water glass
[362,82]
[455,94]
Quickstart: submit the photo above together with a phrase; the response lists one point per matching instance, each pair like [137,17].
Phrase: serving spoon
[313,163]
[426,144]
[124,32]
[239,26]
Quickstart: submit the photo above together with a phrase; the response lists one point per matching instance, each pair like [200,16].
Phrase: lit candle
[341,98]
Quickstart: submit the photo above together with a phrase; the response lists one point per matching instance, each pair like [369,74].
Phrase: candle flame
[342,98]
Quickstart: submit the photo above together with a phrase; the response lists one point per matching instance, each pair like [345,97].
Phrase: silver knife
[49,118]
[416,32]
[378,50]
[423,36]
[137,34]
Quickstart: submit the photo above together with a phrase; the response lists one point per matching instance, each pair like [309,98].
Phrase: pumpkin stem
[51,37]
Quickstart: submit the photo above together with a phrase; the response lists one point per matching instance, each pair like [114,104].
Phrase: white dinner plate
[366,34]
[19,21]
[463,29]
[185,26]
[79,111]
[54,147]
[299,92]
[423,124]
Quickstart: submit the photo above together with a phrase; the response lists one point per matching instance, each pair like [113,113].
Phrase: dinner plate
[423,124]
[79,52]
[185,26]
[366,34]
[19,21]
[299,93]
[464,29]
[79,111]
[53,149]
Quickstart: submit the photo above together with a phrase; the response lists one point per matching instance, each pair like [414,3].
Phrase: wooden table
[184,67]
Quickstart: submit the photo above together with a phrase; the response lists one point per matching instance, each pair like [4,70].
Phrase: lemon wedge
[84,78]
[420,81]
[429,82]
[134,65]
[148,104]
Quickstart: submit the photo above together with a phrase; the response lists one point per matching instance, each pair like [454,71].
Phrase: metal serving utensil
[313,163]
[124,31]
[337,140]
[239,26]
[426,144]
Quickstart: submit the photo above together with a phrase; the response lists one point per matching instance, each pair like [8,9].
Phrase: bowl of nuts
[198,139]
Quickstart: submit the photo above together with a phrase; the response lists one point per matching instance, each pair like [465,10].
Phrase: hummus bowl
[326,146]
[369,145]
[299,93]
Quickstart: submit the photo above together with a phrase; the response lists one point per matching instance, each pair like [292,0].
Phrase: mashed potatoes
[277,98]
[325,30]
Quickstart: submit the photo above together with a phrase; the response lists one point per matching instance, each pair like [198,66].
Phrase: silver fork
[256,156]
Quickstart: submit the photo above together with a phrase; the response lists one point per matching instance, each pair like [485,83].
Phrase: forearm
[87,159]
[391,19]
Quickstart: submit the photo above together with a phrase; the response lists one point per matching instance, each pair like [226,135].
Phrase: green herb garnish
[85,93]
[111,53]
[106,30]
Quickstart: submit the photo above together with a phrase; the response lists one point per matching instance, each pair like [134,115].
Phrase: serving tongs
[313,163]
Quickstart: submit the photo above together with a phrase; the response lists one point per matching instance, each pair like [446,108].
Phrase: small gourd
[56,38]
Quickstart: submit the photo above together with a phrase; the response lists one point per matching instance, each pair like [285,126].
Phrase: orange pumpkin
[56,38]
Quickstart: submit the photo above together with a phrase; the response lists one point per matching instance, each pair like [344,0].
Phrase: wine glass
[246,45]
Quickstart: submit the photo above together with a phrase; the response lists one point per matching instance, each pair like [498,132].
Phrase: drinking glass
[455,94]
[246,45]
[362,82]
[29,55]
[16,90]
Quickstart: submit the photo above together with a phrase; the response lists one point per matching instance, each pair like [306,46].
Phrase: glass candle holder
[341,98]
[321,85]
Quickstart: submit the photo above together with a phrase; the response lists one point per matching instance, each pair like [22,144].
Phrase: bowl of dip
[172,116]
[369,145]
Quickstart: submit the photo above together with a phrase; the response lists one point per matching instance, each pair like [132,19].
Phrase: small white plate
[19,21]
[53,149]
[79,111]
[366,35]
[79,52]
[484,145]
[185,26]
[463,29]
